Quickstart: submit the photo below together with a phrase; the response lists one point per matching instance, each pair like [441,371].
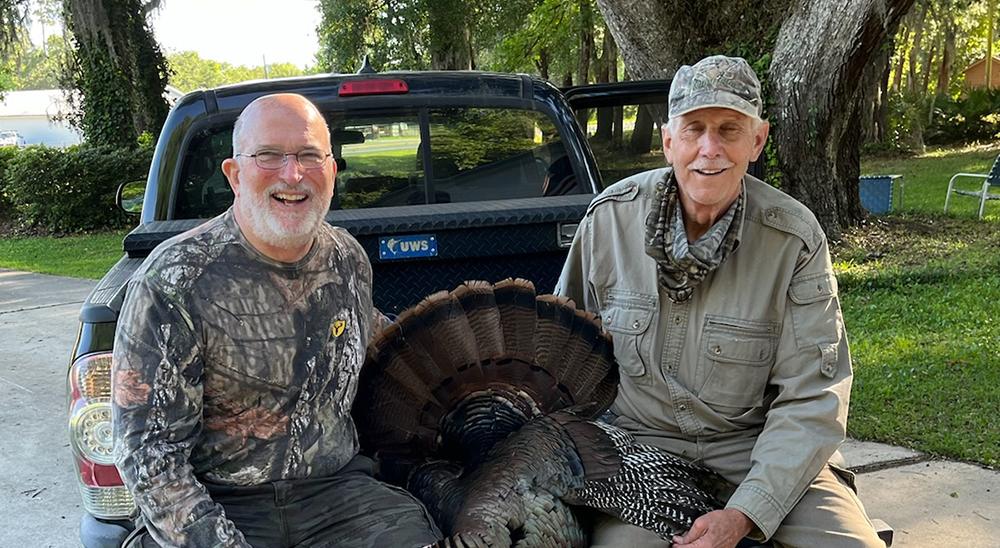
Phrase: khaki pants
[829,515]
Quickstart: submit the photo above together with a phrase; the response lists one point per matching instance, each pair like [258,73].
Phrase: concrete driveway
[928,502]
[38,323]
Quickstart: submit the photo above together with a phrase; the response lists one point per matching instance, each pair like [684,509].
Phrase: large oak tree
[118,69]
[817,60]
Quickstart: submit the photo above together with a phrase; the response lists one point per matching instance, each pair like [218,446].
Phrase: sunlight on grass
[81,256]
[925,178]
[921,301]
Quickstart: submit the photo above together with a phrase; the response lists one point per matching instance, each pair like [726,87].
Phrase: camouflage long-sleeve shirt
[234,368]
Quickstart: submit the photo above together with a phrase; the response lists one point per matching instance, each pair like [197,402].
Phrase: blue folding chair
[989,179]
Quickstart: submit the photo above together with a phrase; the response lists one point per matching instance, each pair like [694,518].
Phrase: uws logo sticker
[407,247]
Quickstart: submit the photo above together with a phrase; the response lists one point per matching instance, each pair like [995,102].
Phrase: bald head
[278,105]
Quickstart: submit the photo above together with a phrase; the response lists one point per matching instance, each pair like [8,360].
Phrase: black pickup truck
[444,177]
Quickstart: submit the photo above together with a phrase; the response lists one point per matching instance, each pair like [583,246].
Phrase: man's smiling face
[710,150]
[279,210]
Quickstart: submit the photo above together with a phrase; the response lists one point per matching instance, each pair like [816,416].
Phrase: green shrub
[72,189]
[906,120]
[974,117]
[7,154]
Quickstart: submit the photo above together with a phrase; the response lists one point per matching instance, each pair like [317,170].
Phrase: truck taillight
[90,433]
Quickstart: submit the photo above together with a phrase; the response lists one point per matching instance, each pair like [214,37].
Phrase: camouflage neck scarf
[679,275]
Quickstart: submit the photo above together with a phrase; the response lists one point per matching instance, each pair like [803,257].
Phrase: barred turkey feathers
[479,400]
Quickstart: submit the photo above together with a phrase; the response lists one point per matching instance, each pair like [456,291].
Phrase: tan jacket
[752,375]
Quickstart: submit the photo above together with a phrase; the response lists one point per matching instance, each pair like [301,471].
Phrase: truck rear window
[462,154]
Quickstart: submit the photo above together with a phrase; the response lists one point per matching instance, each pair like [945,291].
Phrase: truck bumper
[96,533]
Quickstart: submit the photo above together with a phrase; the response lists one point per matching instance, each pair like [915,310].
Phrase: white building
[34,115]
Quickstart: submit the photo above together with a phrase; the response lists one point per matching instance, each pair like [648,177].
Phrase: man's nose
[292,170]
[710,144]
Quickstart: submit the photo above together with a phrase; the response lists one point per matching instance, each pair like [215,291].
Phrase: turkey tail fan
[518,313]
[463,369]
[575,352]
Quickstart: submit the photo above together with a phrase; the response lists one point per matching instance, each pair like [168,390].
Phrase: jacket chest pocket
[735,361]
[627,317]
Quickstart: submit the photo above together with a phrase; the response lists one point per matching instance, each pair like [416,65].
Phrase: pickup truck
[444,177]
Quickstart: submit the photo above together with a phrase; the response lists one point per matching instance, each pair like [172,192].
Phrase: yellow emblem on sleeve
[338,327]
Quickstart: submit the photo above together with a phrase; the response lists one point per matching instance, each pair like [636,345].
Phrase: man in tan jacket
[720,297]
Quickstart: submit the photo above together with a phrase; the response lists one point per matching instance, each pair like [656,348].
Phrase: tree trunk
[877,103]
[819,61]
[608,65]
[925,80]
[450,35]
[649,52]
[882,110]
[947,54]
[897,74]
[585,52]
[618,117]
[542,63]
[915,51]
[642,134]
[118,69]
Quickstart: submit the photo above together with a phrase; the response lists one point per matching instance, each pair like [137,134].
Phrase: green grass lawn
[921,299]
[926,178]
[83,256]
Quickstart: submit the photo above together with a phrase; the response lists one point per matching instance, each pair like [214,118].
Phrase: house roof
[40,102]
[996,62]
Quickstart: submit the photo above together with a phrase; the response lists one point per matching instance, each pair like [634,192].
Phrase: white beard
[267,226]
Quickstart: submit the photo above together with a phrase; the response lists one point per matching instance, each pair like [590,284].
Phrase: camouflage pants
[349,509]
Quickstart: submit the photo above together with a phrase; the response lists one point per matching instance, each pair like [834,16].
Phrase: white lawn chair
[989,179]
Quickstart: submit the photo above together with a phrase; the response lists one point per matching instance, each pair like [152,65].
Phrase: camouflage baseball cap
[716,81]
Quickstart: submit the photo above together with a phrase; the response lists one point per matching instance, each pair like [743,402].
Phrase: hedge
[7,153]
[69,190]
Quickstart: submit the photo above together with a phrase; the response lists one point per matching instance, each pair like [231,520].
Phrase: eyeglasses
[272,159]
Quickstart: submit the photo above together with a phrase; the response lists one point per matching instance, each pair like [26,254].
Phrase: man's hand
[718,529]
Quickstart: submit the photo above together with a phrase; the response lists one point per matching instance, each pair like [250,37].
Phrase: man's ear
[666,139]
[231,169]
[760,138]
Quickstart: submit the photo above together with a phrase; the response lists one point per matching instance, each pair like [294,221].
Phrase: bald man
[236,362]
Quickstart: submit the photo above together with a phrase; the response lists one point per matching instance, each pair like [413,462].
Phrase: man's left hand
[717,529]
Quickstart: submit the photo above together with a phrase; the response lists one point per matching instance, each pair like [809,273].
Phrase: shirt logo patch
[338,327]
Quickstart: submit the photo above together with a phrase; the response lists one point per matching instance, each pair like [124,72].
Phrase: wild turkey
[482,400]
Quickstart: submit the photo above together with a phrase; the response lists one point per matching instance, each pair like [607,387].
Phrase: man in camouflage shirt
[718,292]
[236,363]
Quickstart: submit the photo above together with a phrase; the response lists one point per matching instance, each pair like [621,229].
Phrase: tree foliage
[33,67]
[118,69]
[13,14]
[924,81]
[12,22]
[188,71]
[393,33]
[418,34]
